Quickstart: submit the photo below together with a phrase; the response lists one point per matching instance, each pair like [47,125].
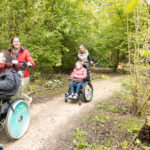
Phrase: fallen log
[40,90]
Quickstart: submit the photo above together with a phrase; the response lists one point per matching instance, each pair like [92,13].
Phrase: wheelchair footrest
[73,99]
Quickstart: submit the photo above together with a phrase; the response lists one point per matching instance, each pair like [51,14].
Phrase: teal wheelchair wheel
[17,119]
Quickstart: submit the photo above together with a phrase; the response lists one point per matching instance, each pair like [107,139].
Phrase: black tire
[69,90]
[66,100]
[87,92]
[79,102]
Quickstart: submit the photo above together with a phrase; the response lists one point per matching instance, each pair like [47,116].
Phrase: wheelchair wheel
[18,119]
[87,92]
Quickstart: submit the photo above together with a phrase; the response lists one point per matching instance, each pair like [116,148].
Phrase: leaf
[144,53]
[138,141]
[130,6]
[148,124]
[124,144]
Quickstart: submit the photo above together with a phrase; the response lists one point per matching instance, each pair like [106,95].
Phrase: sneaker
[70,96]
[75,96]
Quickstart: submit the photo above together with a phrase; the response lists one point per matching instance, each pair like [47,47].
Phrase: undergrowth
[109,127]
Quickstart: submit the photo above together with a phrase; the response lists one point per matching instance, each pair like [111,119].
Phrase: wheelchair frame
[14,117]
[14,114]
[82,94]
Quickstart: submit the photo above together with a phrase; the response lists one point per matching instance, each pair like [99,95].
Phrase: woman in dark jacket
[9,79]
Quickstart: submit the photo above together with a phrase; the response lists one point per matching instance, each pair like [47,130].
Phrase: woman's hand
[91,62]
[29,64]
[15,62]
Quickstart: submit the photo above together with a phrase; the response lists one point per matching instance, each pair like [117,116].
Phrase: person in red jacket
[21,54]
[78,73]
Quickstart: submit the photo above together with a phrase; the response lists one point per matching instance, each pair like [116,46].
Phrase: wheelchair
[85,93]
[14,114]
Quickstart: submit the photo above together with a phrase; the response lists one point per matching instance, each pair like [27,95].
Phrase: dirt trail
[53,118]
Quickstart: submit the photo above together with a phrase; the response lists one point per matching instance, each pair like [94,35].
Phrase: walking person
[21,54]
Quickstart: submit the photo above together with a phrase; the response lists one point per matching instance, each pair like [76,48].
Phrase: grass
[107,107]
[130,124]
[58,83]
[54,86]
[81,143]
[100,118]
[109,127]
[101,77]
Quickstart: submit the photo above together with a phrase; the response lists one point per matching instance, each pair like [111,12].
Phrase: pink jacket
[79,74]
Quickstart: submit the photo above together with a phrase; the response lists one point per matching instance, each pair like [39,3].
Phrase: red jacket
[24,55]
[5,66]
[79,74]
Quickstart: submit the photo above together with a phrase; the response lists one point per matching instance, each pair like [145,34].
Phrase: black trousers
[88,72]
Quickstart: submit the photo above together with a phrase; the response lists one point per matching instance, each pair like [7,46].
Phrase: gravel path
[51,120]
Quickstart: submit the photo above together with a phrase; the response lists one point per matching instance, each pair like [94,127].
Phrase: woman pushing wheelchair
[85,58]
[19,53]
[81,87]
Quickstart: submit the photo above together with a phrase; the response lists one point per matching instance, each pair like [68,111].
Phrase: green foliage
[79,141]
[131,6]
[37,74]
[108,108]
[53,83]
[100,118]
[124,144]
[123,108]
[53,30]
[105,77]
[131,125]
[136,89]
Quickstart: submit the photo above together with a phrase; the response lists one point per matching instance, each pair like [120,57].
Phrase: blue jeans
[78,86]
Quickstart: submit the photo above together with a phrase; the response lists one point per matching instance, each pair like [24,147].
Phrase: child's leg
[78,87]
[73,83]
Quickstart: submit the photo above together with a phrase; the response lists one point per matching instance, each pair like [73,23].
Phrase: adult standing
[21,54]
[84,58]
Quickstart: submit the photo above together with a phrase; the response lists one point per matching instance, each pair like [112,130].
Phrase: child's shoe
[70,96]
[75,96]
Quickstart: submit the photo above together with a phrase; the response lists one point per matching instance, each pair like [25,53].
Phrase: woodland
[113,31]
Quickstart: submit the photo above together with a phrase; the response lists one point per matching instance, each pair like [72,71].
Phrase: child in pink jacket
[78,73]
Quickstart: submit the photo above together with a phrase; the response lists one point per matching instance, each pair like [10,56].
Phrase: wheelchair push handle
[90,63]
[23,65]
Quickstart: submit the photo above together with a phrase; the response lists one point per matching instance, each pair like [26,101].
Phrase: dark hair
[12,39]
[8,57]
